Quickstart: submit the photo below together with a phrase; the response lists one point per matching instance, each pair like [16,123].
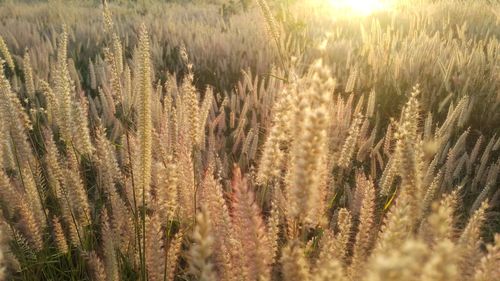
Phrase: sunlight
[361,7]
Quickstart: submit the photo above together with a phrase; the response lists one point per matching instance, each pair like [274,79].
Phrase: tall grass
[368,154]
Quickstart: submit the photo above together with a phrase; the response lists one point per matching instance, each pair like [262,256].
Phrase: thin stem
[143,214]
[136,218]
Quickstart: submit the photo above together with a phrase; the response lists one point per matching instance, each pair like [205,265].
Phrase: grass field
[294,140]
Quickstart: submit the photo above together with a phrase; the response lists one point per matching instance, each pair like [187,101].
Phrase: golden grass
[371,158]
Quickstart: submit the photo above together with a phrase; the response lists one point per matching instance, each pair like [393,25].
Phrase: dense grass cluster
[184,142]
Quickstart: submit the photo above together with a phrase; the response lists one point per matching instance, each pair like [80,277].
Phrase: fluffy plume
[307,174]
[295,266]
[6,55]
[201,249]
[488,268]
[144,127]
[365,233]
[250,230]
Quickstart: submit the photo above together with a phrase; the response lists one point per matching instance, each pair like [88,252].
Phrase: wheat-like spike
[365,233]
[446,128]
[388,176]
[6,54]
[51,106]
[106,160]
[9,196]
[186,185]
[173,255]
[493,172]
[431,169]
[144,127]
[97,272]
[34,197]
[57,179]
[71,113]
[29,226]
[278,137]
[129,98]
[307,175]
[190,102]
[271,24]
[370,106]
[28,76]
[76,195]
[401,263]
[367,148]
[488,268]
[409,156]
[92,76]
[15,121]
[469,242]
[483,164]
[117,54]
[273,228]
[246,143]
[349,146]
[252,152]
[411,114]
[84,144]
[330,264]
[351,81]
[116,87]
[442,263]
[329,248]
[335,246]
[155,263]
[471,233]
[107,17]
[201,250]
[23,243]
[80,113]
[213,198]
[250,229]
[109,175]
[459,166]
[74,76]
[344,223]
[73,226]
[496,146]
[430,194]
[204,112]
[9,263]
[397,226]
[388,138]
[481,198]
[62,88]
[59,238]
[406,158]
[121,221]
[167,190]
[440,224]
[453,154]
[110,258]
[428,127]
[295,266]
[52,163]
[330,270]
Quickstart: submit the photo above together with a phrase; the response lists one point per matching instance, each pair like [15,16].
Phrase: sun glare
[362,7]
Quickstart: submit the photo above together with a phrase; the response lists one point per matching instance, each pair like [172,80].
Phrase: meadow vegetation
[249,140]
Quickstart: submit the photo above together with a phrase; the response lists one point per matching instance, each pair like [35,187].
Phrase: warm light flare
[362,7]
